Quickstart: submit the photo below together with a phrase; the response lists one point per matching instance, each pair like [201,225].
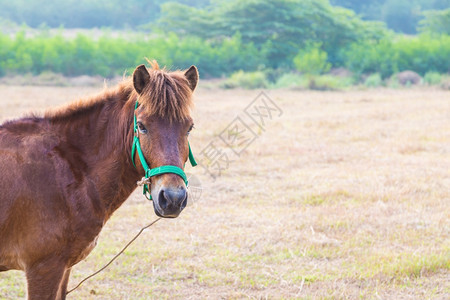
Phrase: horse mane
[82,106]
[167,95]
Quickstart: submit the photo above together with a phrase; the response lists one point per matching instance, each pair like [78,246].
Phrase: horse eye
[190,129]
[141,127]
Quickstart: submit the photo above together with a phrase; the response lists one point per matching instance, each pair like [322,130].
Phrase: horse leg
[63,286]
[44,279]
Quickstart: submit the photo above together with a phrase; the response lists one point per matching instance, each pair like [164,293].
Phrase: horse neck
[103,138]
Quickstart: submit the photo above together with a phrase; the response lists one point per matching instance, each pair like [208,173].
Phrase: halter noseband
[158,170]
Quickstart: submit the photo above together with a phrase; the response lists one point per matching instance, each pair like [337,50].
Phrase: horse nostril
[182,198]
[162,200]
[184,203]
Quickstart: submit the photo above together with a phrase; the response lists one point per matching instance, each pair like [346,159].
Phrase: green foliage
[314,82]
[329,82]
[291,80]
[313,61]
[84,13]
[436,22]
[278,28]
[226,36]
[366,8]
[373,80]
[421,54]
[399,15]
[394,83]
[370,57]
[246,80]
[432,78]
[109,56]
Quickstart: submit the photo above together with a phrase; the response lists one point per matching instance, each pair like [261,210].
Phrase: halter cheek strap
[158,170]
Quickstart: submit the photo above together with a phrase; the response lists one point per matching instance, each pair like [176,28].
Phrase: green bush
[432,78]
[291,80]
[421,54]
[246,80]
[313,61]
[373,80]
[329,82]
[394,83]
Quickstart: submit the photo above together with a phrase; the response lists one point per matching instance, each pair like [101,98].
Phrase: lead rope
[116,256]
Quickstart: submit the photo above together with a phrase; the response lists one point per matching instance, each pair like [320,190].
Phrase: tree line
[399,15]
[257,35]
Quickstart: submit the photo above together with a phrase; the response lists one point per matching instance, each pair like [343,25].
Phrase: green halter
[158,170]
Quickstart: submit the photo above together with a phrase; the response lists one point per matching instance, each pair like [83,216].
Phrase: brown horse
[63,175]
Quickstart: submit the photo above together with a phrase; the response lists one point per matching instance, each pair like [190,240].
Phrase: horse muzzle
[170,201]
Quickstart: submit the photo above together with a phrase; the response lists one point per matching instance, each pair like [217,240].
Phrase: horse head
[162,124]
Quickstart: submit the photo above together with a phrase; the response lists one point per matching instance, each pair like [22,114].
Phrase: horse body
[59,187]
[61,178]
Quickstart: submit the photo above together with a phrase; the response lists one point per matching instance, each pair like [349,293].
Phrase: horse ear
[192,77]
[140,78]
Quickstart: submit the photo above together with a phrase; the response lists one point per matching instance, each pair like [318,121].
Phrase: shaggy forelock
[167,95]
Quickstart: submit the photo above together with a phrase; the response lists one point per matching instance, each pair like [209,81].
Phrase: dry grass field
[346,195]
